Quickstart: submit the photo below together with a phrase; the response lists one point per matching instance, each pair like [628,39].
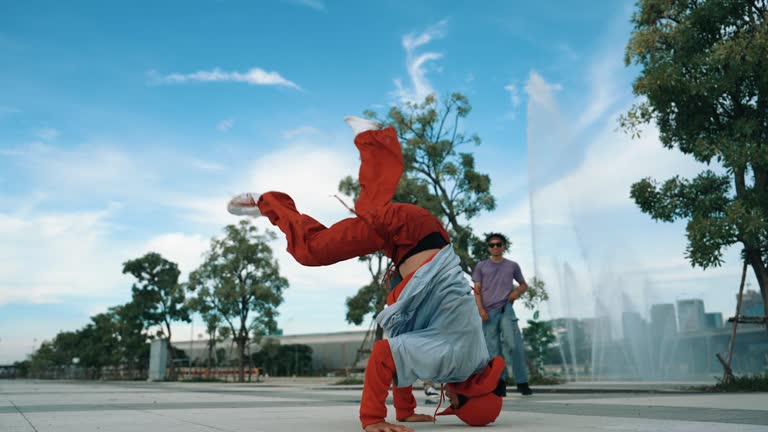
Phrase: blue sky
[126,126]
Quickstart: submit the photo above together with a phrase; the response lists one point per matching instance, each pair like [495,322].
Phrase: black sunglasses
[495,245]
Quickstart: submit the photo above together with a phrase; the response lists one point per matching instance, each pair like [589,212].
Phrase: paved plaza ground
[316,405]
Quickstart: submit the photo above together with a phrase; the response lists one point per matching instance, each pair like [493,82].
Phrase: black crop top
[433,240]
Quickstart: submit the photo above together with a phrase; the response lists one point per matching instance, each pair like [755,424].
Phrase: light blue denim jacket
[434,329]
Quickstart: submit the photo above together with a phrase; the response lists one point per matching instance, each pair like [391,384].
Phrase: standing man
[495,293]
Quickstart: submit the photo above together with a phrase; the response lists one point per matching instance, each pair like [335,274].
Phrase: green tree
[704,84]
[284,360]
[371,298]
[437,175]
[22,368]
[213,320]
[538,337]
[158,294]
[535,294]
[113,338]
[239,275]
[132,335]
[266,358]
[100,346]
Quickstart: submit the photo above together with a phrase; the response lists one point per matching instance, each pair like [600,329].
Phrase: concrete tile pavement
[170,407]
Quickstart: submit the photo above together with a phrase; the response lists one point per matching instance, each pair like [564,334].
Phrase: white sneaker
[244,205]
[360,125]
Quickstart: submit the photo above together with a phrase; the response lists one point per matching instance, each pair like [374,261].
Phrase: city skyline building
[714,320]
[691,315]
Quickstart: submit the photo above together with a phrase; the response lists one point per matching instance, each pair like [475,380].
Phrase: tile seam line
[22,414]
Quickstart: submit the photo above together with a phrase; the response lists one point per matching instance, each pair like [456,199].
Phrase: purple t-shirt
[496,281]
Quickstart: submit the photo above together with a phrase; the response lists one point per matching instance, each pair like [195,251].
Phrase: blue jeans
[503,337]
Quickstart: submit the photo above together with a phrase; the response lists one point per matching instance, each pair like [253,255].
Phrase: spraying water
[611,323]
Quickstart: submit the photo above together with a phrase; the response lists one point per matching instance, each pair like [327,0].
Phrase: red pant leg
[405,403]
[310,242]
[381,165]
[378,378]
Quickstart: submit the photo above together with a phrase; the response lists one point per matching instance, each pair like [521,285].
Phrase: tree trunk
[761,272]
[211,343]
[241,355]
[753,253]
[170,352]
[170,364]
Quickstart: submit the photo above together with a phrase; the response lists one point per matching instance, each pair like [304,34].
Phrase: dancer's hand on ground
[387,427]
[419,418]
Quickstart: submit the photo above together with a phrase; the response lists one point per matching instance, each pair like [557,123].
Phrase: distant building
[663,321]
[752,304]
[598,330]
[691,316]
[330,351]
[663,338]
[714,320]
[633,325]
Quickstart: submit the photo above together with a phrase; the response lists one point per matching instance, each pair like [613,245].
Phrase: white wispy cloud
[184,249]
[292,169]
[254,76]
[225,125]
[64,237]
[605,88]
[5,110]
[204,165]
[52,255]
[416,63]
[597,252]
[514,94]
[317,5]
[569,53]
[608,154]
[514,98]
[81,170]
[540,91]
[299,131]
[47,134]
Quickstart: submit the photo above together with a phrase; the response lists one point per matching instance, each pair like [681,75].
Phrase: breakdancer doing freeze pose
[434,331]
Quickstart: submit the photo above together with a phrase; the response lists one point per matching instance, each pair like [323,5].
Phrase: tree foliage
[284,360]
[539,335]
[157,296]
[538,338]
[703,83]
[437,174]
[240,276]
[371,298]
[157,293]
[111,339]
[213,326]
